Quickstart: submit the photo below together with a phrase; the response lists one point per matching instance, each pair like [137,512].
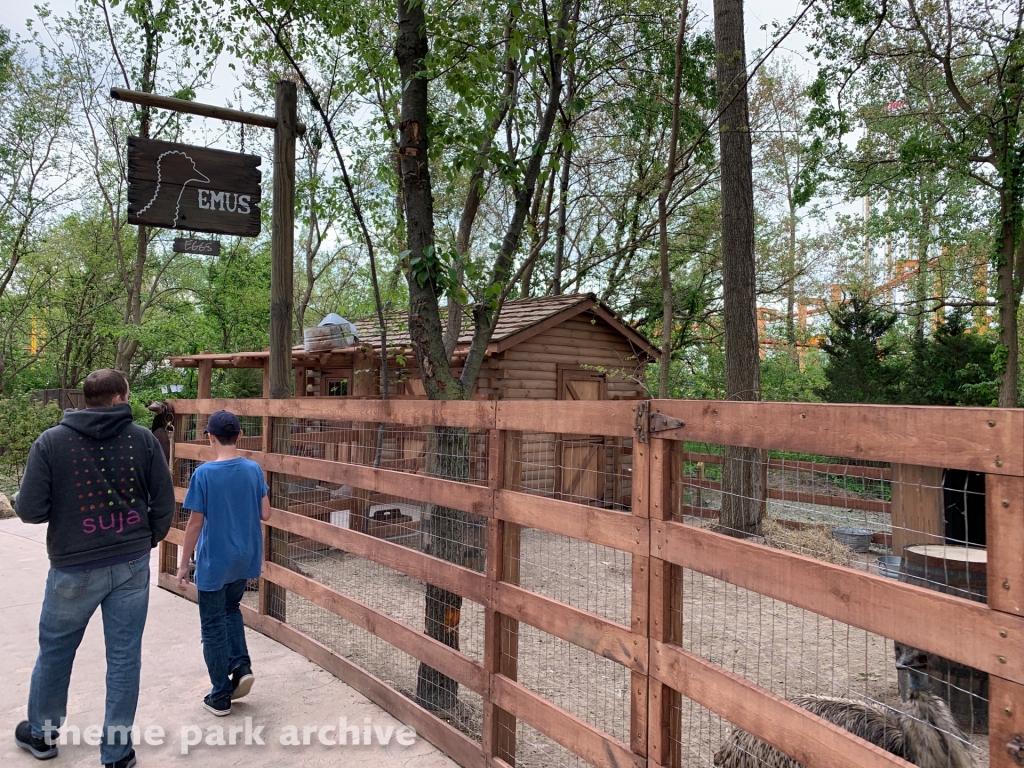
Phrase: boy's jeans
[71,599]
[223,635]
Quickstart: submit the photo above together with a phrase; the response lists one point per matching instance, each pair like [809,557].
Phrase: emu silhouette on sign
[174,167]
[923,732]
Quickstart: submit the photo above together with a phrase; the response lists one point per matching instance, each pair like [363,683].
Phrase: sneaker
[241,682]
[125,762]
[40,749]
[220,706]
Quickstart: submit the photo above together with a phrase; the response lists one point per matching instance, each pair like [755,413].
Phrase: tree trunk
[921,281]
[1008,296]
[791,339]
[665,366]
[450,455]
[434,691]
[448,458]
[742,476]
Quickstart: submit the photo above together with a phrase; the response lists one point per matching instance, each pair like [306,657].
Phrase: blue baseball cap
[223,424]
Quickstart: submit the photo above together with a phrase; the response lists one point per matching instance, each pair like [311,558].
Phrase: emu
[924,732]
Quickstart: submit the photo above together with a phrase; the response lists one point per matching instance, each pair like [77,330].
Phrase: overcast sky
[15,13]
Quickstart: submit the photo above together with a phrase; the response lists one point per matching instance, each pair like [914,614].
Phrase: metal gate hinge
[640,426]
[661,423]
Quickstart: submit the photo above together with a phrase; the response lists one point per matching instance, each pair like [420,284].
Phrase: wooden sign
[201,247]
[178,186]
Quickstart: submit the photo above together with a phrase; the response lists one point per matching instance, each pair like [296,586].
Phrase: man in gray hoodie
[103,485]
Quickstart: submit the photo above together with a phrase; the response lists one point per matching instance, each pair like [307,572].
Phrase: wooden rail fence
[987,636]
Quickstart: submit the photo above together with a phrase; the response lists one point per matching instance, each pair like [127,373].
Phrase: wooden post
[272,597]
[1004,533]
[664,716]
[501,633]
[204,391]
[282,242]
[640,602]
[917,506]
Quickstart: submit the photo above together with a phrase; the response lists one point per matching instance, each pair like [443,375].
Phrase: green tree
[861,363]
[953,367]
[945,81]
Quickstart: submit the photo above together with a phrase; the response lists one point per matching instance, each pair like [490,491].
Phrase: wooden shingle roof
[520,320]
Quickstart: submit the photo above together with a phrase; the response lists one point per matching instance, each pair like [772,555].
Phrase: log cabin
[550,348]
[570,347]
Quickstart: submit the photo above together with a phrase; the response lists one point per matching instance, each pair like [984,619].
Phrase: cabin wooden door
[580,459]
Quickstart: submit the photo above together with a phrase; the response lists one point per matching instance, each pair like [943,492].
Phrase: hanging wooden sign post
[177,186]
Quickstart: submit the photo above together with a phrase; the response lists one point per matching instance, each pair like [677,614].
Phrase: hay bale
[811,540]
[6,510]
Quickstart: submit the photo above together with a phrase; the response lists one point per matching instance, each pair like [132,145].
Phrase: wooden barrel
[959,571]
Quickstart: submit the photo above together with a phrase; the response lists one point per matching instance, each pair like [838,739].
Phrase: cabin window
[337,387]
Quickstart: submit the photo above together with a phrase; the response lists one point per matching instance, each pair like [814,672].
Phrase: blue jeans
[71,599]
[223,635]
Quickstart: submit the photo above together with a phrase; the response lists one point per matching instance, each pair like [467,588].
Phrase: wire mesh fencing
[533,587]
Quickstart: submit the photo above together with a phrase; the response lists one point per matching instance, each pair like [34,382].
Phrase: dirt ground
[786,650]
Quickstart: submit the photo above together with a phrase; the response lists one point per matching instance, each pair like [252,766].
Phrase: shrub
[21,422]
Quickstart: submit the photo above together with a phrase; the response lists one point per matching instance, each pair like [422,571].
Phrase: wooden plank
[639,624]
[448,493]
[503,563]
[415,643]
[640,585]
[918,508]
[578,356]
[843,470]
[618,530]
[175,536]
[476,414]
[576,735]
[179,494]
[247,407]
[225,169]
[198,452]
[664,713]
[952,627]
[638,709]
[978,439]
[1004,533]
[453,743]
[197,108]
[548,322]
[790,465]
[454,578]
[569,417]
[808,739]
[802,497]
[1005,721]
[501,640]
[599,635]
[496,442]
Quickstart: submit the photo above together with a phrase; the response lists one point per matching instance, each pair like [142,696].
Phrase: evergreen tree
[953,367]
[860,365]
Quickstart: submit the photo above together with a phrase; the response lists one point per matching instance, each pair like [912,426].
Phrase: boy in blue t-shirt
[228,498]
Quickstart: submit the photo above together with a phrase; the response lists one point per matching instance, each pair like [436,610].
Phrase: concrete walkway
[289,690]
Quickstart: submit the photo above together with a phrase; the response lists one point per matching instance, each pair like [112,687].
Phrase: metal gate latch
[1016,749]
